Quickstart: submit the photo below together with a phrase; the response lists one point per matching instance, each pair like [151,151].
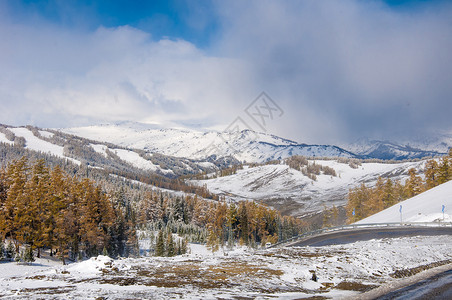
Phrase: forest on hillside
[53,207]
[364,201]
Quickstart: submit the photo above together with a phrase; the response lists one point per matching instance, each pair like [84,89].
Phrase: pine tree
[444,170]
[243,218]
[10,251]
[2,250]
[213,243]
[170,247]
[28,255]
[160,245]
[388,196]
[413,185]
[375,202]
[431,174]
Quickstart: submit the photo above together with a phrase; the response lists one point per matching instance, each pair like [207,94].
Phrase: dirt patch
[122,281]
[355,286]
[225,275]
[48,290]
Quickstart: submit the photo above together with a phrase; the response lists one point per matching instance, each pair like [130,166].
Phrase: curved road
[364,234]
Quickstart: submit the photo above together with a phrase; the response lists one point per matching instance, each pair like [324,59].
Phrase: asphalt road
[436,287]
[365,234]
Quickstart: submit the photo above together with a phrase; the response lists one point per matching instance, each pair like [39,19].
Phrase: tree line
[45,208]
[364,201]
[217,223]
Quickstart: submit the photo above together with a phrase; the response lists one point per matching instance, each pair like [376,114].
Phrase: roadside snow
[425,207]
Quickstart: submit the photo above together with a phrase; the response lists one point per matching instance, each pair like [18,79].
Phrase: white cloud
[112,74]
[339,70]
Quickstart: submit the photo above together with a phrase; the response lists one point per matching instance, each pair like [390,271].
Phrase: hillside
[425,207]
[250,146]
[247,145]
[293,192]
[104,155]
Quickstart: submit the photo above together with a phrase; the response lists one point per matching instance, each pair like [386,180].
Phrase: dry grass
[354,286]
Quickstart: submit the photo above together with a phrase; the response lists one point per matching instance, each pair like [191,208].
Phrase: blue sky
[340,70]
[194,21]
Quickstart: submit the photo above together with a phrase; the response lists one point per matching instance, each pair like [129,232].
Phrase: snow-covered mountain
[434,146]
[246,145]
[293,192]
[103,155]
[425,207]
[251,146]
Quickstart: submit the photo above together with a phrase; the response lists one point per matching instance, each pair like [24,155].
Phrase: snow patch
[3,139]
[92,266]
[36,144]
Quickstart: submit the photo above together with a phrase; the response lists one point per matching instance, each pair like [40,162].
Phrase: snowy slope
[425,207]
[37,144]
[246,145]
[280,185]
[137,161]
[3,139]
[78,150]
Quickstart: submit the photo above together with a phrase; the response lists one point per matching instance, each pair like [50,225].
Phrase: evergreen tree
[160,245]
[10,251]
[170,246]
[2,250]
[28,255]
[243,217]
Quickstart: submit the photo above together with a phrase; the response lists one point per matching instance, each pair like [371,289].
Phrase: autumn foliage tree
[364,201]
[46,208]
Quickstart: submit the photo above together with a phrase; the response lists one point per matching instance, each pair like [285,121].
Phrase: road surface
[365,234]
[436,287]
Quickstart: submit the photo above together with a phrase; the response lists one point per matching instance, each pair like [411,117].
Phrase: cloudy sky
[338,70]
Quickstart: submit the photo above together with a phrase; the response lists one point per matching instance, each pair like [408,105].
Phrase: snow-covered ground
[280,183]
[3,139]
[137,161]
[342,271]
[37,144]
[425,207]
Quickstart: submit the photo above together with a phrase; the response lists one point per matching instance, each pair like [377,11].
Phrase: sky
[335,70]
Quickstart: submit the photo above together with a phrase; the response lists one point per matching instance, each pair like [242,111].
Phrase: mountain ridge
[246,145]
